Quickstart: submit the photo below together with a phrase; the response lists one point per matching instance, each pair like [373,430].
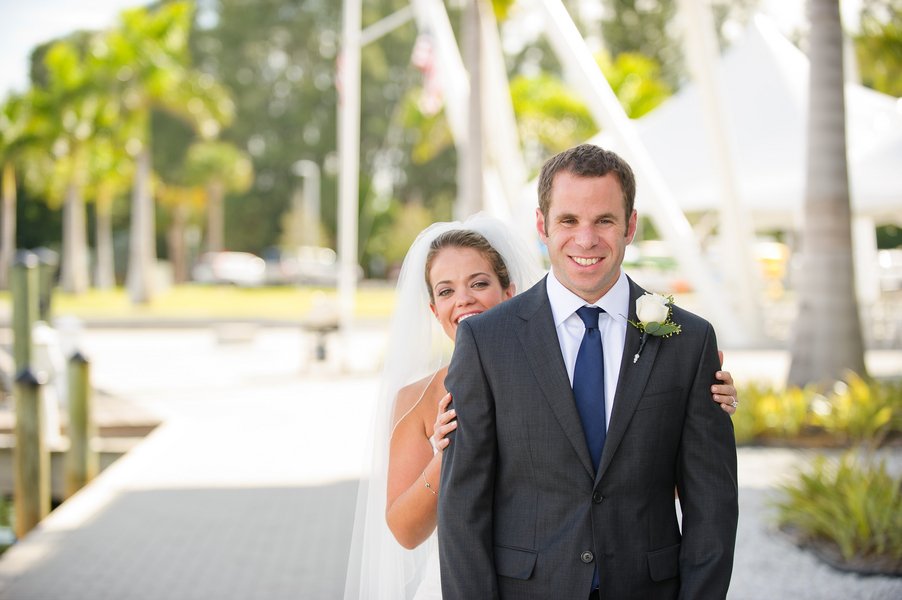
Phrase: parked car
[236,268]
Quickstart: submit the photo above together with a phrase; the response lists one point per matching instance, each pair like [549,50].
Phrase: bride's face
[463,284]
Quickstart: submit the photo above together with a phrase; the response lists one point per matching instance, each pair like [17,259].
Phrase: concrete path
[248,489]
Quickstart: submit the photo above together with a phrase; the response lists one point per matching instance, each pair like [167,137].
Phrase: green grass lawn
[214,302]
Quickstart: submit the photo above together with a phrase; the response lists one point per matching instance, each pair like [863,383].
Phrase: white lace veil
[379,568]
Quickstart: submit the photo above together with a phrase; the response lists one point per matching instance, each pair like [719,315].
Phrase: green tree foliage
[651,27]
[219,167]
[552,116]
[637,81]
[879,46]
[645,26]
[17,138]
[402,225]
[280,57]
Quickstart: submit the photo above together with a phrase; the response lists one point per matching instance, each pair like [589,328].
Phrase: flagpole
[348,183]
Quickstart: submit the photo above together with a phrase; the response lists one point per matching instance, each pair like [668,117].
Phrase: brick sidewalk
[246,491]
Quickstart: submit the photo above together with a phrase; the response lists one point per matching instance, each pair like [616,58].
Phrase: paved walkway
[248,489]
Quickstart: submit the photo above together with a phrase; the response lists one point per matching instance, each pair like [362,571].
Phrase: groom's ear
[631,226]
[540,226]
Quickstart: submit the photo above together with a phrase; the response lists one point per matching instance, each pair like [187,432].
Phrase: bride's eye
[445,292]
[481,284]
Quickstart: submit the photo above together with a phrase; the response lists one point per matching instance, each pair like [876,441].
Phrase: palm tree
[220,167]
[109,172]
[73,104]
[14,133]
[149,55]
[827,340]
[182,202]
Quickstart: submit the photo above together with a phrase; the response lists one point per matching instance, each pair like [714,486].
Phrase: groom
[559,480]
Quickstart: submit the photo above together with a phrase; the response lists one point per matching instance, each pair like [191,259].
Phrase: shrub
[769,413]
[854,411]
[847,502]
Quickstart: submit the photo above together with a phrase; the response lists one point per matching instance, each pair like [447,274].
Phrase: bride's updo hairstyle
[462,238]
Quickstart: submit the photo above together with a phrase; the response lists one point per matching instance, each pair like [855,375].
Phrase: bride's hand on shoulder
[445,423]
[726,394]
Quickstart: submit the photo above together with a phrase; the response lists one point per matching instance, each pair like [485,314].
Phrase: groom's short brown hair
[587,160]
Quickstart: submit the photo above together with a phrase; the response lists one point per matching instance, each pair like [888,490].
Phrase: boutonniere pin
[653,312]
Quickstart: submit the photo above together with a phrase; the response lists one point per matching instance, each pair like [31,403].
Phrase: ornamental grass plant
[854,411]
[848,510]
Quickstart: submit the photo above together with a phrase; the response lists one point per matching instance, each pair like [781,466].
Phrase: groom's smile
[586,232]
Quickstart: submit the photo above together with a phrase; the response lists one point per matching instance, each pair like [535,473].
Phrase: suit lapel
[631,382]
[540,344]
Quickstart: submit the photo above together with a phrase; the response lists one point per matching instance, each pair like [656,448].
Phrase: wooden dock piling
[24,286]
[32,457]
[81,459]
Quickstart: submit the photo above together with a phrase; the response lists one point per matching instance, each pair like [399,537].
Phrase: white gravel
[768,566]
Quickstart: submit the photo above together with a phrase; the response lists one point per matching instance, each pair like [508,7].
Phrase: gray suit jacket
[522,514]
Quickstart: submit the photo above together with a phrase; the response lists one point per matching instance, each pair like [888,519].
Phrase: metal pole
[470,164]
[432,17]
[32,458]
[348,184]
[310,202]
[737,235]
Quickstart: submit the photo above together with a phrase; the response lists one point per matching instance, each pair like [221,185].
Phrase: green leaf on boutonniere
[665,330]
[652,328]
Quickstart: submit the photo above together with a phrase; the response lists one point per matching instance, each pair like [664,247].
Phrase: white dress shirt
[612,326]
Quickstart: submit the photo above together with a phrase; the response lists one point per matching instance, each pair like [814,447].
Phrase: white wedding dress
[431,588]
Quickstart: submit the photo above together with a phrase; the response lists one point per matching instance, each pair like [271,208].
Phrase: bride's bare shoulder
[422,395]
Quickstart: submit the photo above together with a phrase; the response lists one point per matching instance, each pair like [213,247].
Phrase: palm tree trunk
[105,275]
[142,254]
[74,259]
[215,217]
[176,243]
[827,340]
[8,236]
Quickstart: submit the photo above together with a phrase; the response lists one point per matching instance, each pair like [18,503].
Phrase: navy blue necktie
[588,383]
[588,389]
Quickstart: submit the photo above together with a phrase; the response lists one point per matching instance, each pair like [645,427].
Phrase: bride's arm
[411,506]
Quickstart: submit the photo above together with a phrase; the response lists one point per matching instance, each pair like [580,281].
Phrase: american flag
[423,58]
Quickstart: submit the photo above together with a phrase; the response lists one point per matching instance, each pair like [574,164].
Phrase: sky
[27,23]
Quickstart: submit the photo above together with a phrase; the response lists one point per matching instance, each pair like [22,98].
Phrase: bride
[451,272]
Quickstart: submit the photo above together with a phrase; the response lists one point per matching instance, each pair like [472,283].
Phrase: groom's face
[587,231]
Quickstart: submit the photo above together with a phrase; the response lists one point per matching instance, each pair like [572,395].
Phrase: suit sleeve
[706,481]
[466,494]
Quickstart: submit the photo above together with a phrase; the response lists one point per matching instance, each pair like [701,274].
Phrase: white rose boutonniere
[653,312]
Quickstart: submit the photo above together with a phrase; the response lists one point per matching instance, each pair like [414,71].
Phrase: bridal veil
[379,568]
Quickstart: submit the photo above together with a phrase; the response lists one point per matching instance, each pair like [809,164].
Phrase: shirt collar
[564,302]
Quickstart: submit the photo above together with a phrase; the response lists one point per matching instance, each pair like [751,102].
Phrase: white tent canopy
[765,87]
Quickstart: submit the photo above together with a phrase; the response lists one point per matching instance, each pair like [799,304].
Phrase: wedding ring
[735,403]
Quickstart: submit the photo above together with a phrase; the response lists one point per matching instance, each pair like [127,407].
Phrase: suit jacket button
[587,557]
[597,497]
